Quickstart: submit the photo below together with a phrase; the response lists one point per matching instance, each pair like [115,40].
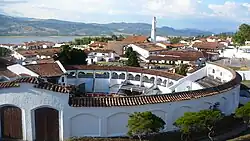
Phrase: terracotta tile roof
[46,70]
[213,37]
[98,44]
[136,39]
[25,75]
[128,69]
[38,84]
[38,43]
[99,51]
[178,55]
[173,45]
[47,60]
[117,46]
[44,52]
[150,47]
[153,99]
[208,45]
[7,73]
[4,63]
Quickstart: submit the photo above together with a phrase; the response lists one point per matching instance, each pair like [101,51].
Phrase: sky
[224,15]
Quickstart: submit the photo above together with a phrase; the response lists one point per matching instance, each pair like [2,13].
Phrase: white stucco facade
[112,121]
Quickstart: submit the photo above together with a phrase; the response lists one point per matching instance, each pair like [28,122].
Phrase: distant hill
[50,27]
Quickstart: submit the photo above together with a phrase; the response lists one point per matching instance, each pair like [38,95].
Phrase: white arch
[116,128]
[90,128]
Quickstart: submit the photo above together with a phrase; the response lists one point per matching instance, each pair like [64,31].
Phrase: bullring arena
[106,98]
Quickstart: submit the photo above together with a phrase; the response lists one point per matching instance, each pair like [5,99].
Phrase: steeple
[153,30]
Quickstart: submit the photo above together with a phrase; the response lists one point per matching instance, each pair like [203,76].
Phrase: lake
[21,39]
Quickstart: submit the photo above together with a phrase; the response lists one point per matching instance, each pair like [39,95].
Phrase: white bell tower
[153,30]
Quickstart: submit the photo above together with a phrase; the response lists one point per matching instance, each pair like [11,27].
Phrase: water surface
[21,39]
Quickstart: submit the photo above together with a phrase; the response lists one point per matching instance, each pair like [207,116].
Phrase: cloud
[231,10]
[103,11]
[8,2]
[171,8]
[51,8]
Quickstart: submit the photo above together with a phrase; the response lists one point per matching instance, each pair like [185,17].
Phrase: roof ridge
[39,83]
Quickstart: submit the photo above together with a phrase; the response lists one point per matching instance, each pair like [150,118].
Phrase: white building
[30,101]
[98,55]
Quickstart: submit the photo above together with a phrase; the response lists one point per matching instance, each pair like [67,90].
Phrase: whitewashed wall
[245,75]
[102,121]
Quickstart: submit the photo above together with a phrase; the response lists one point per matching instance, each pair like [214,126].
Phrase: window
[114,75]
[71,75]
[145,79]
[152,79]
[122,76]
[137,77]
[220,73]
[159,81]
[63,79]
[101,75]
[213,71]
[130,77]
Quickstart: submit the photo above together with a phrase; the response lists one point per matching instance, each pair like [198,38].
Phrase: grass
[239,68]
[246,83]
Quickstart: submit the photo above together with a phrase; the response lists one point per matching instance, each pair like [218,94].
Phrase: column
[103,126]
[28,123]
[93,86]
[126,76]
[76,82]
[141,79]
[155,82]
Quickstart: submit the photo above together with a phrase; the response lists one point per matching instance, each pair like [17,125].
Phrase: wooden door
[47,124]
[11,123]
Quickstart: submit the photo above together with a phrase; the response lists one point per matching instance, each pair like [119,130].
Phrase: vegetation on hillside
[23,26]
[87,40]
[175,40]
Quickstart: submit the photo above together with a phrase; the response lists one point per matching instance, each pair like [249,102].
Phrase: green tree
[182,69]
[242,35]
[144,123]
[4,52]
[128,51]
[114,37]
[133,60]
[244,113]
[71,56]
[204,120]
[187,124]
[175,40]
[120,38]
[208,119]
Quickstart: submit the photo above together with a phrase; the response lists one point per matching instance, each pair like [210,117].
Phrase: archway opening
[47,124]
[11,123]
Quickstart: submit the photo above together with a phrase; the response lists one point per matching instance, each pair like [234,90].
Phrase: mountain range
[15,26]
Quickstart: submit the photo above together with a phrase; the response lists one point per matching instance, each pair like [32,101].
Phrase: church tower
[153,30]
